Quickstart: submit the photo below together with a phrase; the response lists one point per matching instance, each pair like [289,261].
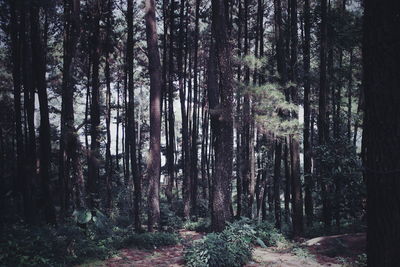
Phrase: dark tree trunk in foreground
[239,180]
[69,142]
[288,179]
[131,120]
[297,197]
[39,66]
[223,137]
[323,128]
[193,153]
[94,157]
[29,104]
[171,117]
[16,74]
[381,139]
[277,181]
[308,179]
[154,160]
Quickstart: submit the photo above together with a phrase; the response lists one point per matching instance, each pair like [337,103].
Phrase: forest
[200,133]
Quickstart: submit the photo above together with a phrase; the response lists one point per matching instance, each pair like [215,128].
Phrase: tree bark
[297,197]
[69,141]
[154,160]
[308,179]
[323,128]
[193,152]
[239,172]
[171,118]
[382,130]
[95,156]
[39,66]
[277,181]
[223,120]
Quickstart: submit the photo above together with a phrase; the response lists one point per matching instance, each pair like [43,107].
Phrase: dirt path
[170,256]
[317,252]
[276,258]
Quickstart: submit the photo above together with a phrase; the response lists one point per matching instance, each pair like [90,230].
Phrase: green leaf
[261,243]
[82,216]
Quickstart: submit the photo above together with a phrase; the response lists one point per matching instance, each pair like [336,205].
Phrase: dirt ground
[316,252]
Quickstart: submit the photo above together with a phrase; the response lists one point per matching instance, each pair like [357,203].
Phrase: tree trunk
[69,142]
[39,67]
[171,118]
[193,152]
[382,127]
[239,180]
[308,179]
[277,181]
[349,95]
[29,103]
[297,197]
[323,128]
[131,120]
[154,160]
[288,179]
[95,156]
[223,120]
[16,74]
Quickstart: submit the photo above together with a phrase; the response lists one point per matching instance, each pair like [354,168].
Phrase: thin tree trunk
[69,141]
[131,120]
[323,128]
[109,164]
[297,197]
[194,159]
[308,179]
[95,156]
[182,97]
[19,180]
[288,180]
[171,118]
[29,103]
[349,95]
[39,66]
[239,180]
[155,115]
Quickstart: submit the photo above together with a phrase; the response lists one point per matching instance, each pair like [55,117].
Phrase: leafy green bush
[96,237]
[232,248]
[269,235]
[150,240]
[49,246]
[202,225]
[169,221]
[361,260]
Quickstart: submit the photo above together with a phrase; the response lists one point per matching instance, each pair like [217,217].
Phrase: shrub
[150,240]
[202,225]
[169,221]
[269,235]
[69,244]
[232,247]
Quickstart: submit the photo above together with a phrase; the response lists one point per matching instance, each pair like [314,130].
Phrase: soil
[316,252]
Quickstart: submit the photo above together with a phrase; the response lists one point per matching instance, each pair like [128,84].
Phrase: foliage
[361,260]
[269,235]
[201,225]
[150,240]
[302,253]
[48,246]
[70,244]
[232,247]
[342,174]
[169,221]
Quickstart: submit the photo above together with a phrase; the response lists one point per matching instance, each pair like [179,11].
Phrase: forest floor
[321,251]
